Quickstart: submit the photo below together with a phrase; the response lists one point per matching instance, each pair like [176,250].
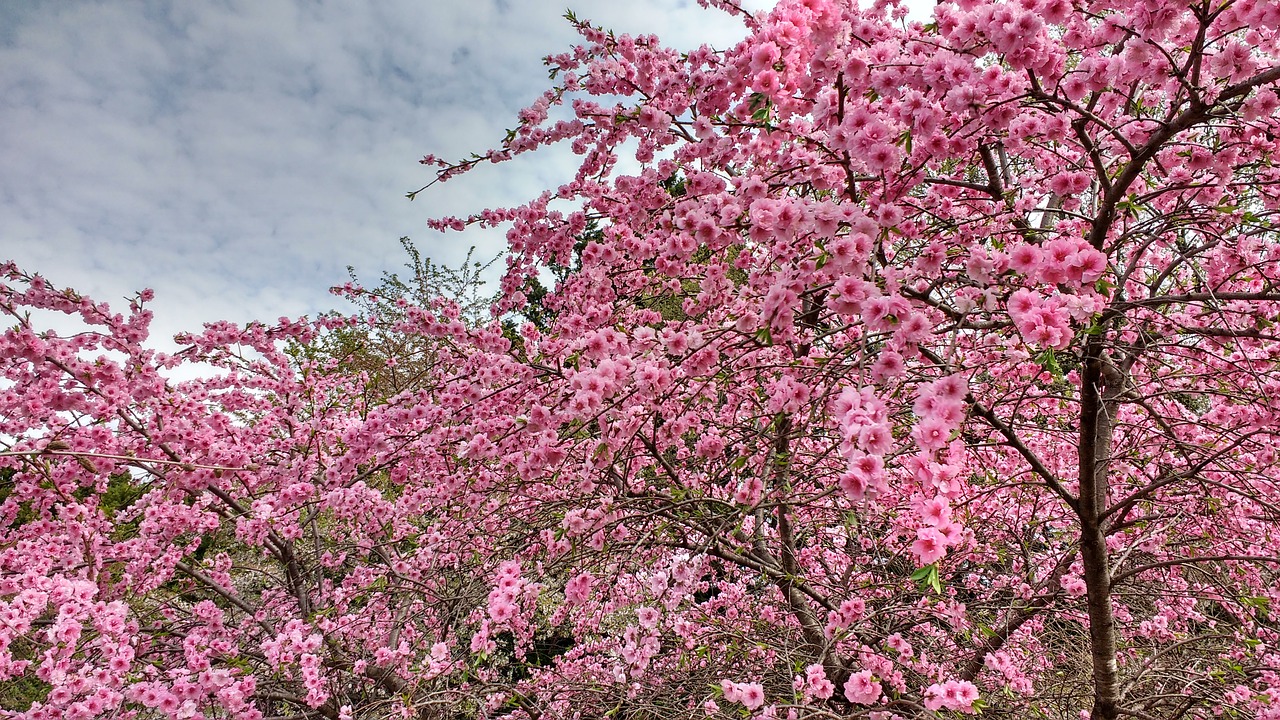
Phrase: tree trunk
[1096,429]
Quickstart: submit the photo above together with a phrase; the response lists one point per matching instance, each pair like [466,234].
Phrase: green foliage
[535,291]
[927,578]
[426,282]
[25,514]
[395,361]
[17,694]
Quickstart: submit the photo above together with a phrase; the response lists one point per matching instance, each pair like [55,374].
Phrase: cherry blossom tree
[891,370]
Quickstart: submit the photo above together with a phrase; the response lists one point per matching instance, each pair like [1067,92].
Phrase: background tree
[371,344]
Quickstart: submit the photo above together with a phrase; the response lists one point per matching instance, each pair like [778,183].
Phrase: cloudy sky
[238,155]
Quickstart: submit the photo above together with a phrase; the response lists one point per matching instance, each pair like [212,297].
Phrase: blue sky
[238,155]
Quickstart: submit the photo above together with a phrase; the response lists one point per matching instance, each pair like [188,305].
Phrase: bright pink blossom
[862,688]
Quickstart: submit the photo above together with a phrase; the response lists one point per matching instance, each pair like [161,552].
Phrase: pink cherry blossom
[862,688]
[930,545]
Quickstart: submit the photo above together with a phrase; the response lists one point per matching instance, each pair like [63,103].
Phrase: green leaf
[1257,602]
[927,577]
[1049,362]
[761,105]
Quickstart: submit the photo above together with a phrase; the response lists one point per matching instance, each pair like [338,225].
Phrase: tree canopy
[868,368]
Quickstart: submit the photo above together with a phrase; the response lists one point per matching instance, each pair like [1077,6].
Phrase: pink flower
[653,118]
[900,645]
[882,157]
[936,511]
[852,609]
[869,467]
[648,617]
[709,446]
[889,365]
[1044,321]
[854,484]
[951,532]
[876,439]
[1074,585]
[752,695]
[931,433]
[578,589]
[1048,328]
[501,610]
[934,697]
[1022,303]
[676,342]
[768,82]
[862,688]
[845,253]
[951,387]
[1025,259]
[764,55]
[967,692]
[787,395]
[817,683]
[913,330]
[929,546]
[878,312]
[959,695]
[732,691]
[1070,183]
[169,703]
[1087,265]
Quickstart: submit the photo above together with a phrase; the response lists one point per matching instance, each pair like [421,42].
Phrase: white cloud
[237,155]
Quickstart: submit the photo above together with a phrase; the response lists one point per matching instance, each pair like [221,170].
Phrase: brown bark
[1097,411]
